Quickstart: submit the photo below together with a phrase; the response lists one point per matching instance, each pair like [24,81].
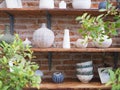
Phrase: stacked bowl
[84,71]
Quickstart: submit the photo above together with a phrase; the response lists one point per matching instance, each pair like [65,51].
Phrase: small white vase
[46,4]
[66,39]
[27,42]
[81,43]
[105,44]
[62,5]
[81,4]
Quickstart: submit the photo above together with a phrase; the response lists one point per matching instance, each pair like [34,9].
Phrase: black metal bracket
[116,57]
[48,16]
[11,18]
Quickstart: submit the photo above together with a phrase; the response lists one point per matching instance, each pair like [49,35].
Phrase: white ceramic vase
[13,3]
[105,44]
[81,43]
[46,4]
[43,37]
[66,39]
[81,4]
[27,42]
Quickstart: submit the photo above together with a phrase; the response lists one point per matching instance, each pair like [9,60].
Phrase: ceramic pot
[105,44]
[81,4]
[7,37]
[102,5]
[57,77]
[80,43]
[46,4]
[43,37]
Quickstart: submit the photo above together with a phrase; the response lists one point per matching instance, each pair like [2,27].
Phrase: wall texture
[63,62]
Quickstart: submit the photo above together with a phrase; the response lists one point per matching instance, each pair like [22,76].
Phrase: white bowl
[87,69]
[85,78]
[84,64]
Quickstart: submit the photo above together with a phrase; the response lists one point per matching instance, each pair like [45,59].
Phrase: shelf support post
[48,16]
[11,17]
[116,57]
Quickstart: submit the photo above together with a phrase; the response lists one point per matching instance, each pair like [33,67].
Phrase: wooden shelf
[73,84]
[34,12]
[76,50]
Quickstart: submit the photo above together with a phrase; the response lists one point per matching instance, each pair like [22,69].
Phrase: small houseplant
[16,69]
[95,28]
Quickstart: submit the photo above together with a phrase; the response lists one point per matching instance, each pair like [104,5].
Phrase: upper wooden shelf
[76,50]
[38,12]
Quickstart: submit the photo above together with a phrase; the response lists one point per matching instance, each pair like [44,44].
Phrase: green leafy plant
[95,27]
[16,68]
[114,79]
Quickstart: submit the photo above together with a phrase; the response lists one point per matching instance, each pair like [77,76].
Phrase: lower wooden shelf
[73,84]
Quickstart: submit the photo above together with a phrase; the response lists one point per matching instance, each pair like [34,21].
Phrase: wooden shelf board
[38,12]
[76,50]
[73,84]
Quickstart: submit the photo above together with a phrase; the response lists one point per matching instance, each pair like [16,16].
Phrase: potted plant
[16,68]
[94,28]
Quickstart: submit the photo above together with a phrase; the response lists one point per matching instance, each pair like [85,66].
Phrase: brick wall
[63,62]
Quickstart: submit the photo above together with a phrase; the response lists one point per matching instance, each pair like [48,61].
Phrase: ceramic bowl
[85,73]
[84,64]
[85,78]
[87,69]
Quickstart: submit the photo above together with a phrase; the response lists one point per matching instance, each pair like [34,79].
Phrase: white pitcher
[46,4]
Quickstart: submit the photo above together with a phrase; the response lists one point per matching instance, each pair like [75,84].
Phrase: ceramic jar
[43,37]
[102,5]
[46,4]
[57,77]
[7,37]
[104,44]
[62,5]
[81,4]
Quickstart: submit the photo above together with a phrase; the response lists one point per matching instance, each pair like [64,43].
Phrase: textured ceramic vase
[7,37]
[81,4]
[43,37]
[57,77]
[46,4]
[105,44]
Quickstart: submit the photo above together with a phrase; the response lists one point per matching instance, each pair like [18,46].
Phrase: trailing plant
[114,79]
[16,68]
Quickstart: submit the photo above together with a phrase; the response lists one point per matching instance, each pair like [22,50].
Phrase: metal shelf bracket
[48,16]
[11,18]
